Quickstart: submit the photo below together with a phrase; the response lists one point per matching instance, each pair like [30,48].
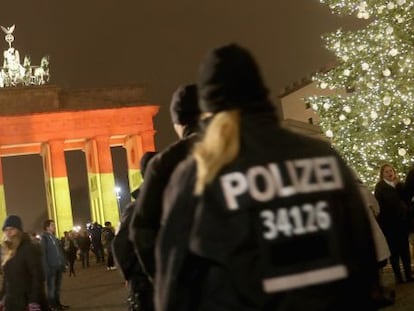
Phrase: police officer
[145,221]
[140,288]
[260,218]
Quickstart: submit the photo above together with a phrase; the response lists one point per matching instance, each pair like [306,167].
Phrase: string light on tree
[372,123]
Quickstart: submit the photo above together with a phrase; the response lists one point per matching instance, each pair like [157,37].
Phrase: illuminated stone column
[134,152]
[104,203]
[3,211]
[57,186]
[93,181]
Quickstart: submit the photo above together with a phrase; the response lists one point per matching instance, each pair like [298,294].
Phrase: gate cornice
[49,113]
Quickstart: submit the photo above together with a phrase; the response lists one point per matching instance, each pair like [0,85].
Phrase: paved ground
[95,288]
[404,293]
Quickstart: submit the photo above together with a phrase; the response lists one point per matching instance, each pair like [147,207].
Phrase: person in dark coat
[84,243]
[23,276]
[53,264]
[394,220]
[140,288]
[260,218]
[70,249]
[95,232]
[146,217]
[409,196]
[385,295]
[108,234]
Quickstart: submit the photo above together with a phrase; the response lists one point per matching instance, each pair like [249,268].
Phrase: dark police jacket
[123,251]
[283,227]
[146,217]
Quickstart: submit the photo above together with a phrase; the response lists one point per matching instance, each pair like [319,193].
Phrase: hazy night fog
[158,44]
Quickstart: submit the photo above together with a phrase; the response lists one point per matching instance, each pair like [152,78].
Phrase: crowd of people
[33,265]
[239,213]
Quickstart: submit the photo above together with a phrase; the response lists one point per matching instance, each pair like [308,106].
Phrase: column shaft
[57,186]
[104,203]
[134,151]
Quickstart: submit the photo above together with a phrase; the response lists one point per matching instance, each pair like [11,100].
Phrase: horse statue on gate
[41,73]
[27,71]
[13,73]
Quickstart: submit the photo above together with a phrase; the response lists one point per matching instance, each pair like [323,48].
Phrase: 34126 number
[296,220]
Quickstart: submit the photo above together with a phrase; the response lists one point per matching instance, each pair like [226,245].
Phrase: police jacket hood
[229,78]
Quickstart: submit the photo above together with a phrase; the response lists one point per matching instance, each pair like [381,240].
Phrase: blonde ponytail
[220,146]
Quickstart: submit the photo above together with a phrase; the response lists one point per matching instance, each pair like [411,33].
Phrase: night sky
[158,44]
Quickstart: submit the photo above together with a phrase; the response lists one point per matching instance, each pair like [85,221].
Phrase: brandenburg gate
[39,119]
[48,120]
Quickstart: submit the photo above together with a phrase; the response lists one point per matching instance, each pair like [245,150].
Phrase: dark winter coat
[283,227]
[108,235]
[70,248]
[409,187]
[146,217]
[409,196]
[84,243]
[123,250]
[53,256]
[394,216]
[23,278]
[394,212]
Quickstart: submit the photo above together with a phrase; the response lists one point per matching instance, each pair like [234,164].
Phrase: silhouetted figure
[70,248]
[84,243]
[108,234]
[146,219]
[140,288]
[95,231]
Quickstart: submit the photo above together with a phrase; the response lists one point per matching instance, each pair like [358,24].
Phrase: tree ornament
[402,152]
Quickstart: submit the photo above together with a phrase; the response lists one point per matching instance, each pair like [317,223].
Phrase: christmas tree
[370,114]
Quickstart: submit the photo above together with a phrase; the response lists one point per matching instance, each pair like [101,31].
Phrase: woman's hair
[382,168]
[219,146]
[9,247]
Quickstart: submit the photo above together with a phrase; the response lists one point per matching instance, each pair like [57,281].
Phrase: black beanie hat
[184,105]
[13,221]
[229,78]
